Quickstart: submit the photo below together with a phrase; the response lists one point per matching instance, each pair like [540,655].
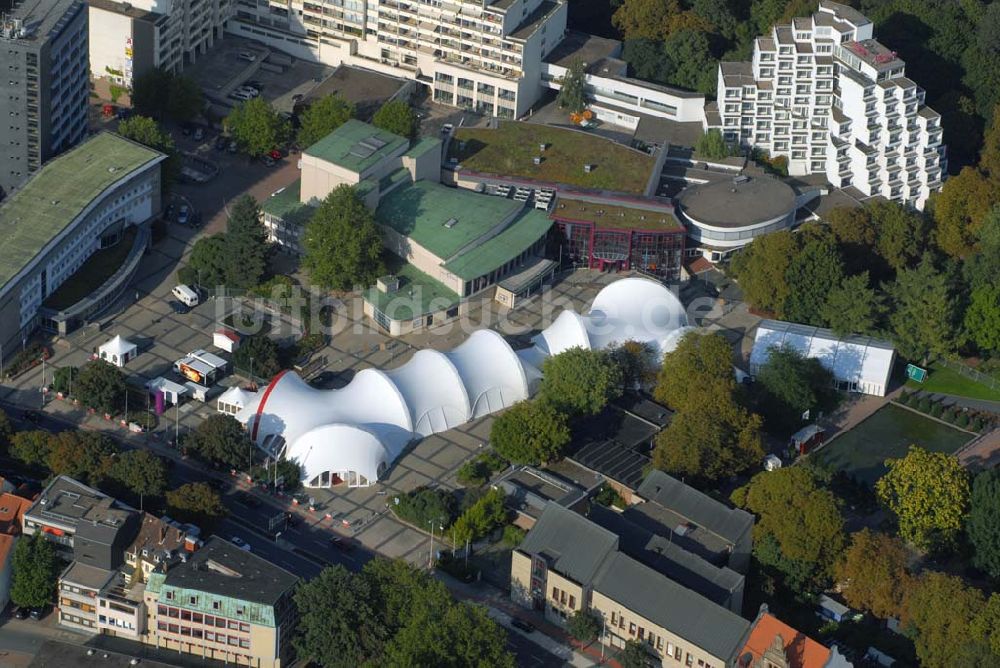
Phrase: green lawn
[509,150]
[887,434]
[92,274]
[946,381]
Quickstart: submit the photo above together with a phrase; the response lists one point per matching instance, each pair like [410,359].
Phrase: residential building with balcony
[127,39]
[43,85]
[222,603]
[823,93]
[478,55]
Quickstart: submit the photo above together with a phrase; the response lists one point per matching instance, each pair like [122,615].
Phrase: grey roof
[642,590]
[67,502]
[669,558]
[87,576]
[253,578]
[731,203]
[698,508]
[574,546]
[845,12]
[42,17]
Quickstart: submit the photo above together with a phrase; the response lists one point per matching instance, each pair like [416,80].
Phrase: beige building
[222,603]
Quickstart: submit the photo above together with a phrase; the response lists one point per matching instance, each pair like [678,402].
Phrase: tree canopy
[397,117]
[101,386]
[854,307]
[873,573]
[929,494]
[257,127]
[572,94]
[161,94]
[798,517]
[146,131]
[323,117]
[258,354]
[343,246]
[220,438]
[983,526]
[580,382]
[34,572]
[245,245]
[482,517]
[925,312]
[761,269]
[196,502]
[789,385]
[142,472]
[811,275]
[530,432]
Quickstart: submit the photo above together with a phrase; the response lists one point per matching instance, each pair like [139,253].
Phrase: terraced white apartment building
[822,92]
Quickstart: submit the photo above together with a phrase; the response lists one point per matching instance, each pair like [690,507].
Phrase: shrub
[924,405]
[905,398]
[609,496]
[423,505]
[962,420]
[976,424]
[473,473]
[584,625]
[512,535]
[937,410]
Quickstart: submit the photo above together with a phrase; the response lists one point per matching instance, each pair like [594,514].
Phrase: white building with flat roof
[824,94]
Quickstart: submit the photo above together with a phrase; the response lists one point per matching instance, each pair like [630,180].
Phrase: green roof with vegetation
[417,293]
[32,216]
[531,226]
[422,211]
[285,205]
[509,151]
[356,146]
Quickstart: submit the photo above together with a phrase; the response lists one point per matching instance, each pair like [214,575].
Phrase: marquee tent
[117,351]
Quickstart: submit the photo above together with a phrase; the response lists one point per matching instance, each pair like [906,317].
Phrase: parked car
[184,215]
[247,56]
[248,500]
[297,97]
[240,543]
[37,613]
[169,211]
[254,84]
[233,147]
[220,143]
[447,128]
[248,90]
[275,154]
[179,308]
[268,160]
[519,623]
[199,134]
[20,613]
[342,543]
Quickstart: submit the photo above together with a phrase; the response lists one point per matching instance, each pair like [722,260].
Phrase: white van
[185,295]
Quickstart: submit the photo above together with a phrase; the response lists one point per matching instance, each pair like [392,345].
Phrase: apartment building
[222,603]
[568,563]
[484,55]
[127,39]
[43,85]
[12,509]
[822,92]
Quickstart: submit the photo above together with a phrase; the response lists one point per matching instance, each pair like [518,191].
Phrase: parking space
[226,64]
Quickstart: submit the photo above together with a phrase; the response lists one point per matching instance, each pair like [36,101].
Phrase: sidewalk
[548,636]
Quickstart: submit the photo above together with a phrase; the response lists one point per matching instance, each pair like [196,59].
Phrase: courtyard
[887,434]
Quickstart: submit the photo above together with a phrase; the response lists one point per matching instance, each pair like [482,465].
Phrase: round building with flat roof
[725,215]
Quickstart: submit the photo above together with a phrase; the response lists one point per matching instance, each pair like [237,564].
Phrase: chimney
[163,531]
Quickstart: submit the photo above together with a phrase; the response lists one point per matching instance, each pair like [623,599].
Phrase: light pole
[430,555]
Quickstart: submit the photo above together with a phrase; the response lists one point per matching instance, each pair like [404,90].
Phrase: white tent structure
[354,434]
[858,363]
[117,351]
[233,400]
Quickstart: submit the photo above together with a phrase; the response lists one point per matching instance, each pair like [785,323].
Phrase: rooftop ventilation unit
[588,168]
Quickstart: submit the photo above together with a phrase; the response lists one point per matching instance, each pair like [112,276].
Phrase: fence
[989,381]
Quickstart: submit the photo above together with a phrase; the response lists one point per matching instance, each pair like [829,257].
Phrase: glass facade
[654,252]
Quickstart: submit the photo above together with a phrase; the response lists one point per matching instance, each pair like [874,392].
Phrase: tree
[185,101]
[903,234]
[101,386]
[64,378]
[701,366]
[34,572]
[580,382]
[258,354]
[982,318]
[792,384]
[940,613]
[323,117]
[426,505]
[982,268]
[644,19]
[634,655]
[220,438]
[150,92]
[873,575]
[146,131]
[584,625]
[761,269]
[925,311]
[929,494]
[710,442]
[637,363]
[208,261]
[142,472]
[857,235]
[530,432]
[31,447]
[961,207]
[245,245]
[711,145]
[983,527]
[683,59]
[482,517]
[6,432]
[985,625]
[343,246]
[572,94]
[257,127]
[398,118]
[812,273]
[81,454]
[802,520]
[338,621]
[197,503]
[853,307]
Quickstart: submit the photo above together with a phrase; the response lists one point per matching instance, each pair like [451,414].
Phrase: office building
[43,85]
[223,603]
[101,193]
[127,39]
[823,93]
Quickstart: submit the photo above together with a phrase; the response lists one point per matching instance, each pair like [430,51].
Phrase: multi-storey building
[485,55]
[43,85]
[127,39]
[832,100]
[222,603]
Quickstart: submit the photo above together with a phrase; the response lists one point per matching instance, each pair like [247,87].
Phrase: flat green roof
[287,206]
[531,226]
[420,211]
[32,216]
[356,146]
[424,145]
[427,292]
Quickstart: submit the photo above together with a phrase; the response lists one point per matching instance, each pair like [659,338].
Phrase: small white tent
[233,400]
[117,351]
